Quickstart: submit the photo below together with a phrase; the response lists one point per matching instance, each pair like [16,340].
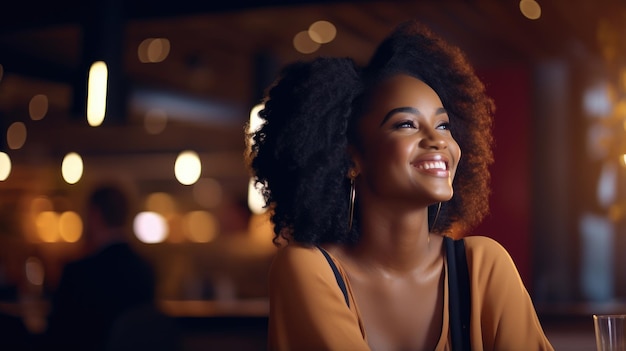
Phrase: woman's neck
[393,240]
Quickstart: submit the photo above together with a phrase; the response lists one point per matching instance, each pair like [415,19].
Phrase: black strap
[340,282]
[459,290]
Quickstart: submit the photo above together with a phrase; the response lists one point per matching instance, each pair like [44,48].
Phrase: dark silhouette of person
[111,280]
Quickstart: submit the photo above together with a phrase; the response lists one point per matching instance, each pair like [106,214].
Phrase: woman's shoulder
[296,256]
[482,242]
[301,265]
[484,248]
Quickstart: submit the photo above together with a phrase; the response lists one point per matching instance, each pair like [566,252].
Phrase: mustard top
[308,310]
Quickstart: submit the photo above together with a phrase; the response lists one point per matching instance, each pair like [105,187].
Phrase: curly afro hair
[413,49]
[299,155]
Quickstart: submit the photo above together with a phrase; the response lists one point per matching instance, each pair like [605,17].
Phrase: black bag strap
[459,290]
[338,277]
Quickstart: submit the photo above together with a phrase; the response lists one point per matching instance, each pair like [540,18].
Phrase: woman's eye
[405,124]
[444,126]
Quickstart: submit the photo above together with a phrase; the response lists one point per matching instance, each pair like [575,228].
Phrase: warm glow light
[150,227]
[142,50]
[16,135]
[70,226]
[97,93]
[153,50]
[34,270]
[256,202]
[5,166]
[187,167]
[623,158]
[322,32]
[530,9]
[158,50]
[38,107]
[303,43]
[620,109]
[200,226]
[161,203]
[207,192]
[155,121]
[40,204]
[47,224]
[72,168]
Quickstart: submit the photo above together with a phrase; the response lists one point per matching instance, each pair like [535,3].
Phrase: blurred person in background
[111,280]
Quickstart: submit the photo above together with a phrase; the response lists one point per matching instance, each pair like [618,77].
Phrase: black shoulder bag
[458,287]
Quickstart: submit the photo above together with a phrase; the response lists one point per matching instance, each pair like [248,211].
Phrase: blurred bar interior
[185,76]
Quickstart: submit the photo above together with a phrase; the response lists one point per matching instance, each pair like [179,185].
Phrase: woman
[367,172]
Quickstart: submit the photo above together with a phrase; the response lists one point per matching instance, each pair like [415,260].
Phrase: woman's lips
[436,167]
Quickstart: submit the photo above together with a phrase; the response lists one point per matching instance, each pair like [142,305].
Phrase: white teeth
[433,165]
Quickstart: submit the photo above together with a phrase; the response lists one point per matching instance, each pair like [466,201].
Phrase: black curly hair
[299,155]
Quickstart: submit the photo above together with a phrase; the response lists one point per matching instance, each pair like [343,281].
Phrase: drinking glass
[610,332]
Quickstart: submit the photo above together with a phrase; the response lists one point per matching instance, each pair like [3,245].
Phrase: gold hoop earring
[436,217]
[351,203]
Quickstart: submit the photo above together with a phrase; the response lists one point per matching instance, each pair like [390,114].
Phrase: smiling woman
[362,170]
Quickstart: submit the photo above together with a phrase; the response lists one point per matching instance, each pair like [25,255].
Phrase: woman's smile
[434,165]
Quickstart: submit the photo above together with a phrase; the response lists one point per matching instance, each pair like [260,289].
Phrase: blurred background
[184,78]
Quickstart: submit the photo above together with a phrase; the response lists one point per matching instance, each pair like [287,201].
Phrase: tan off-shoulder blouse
[308,310]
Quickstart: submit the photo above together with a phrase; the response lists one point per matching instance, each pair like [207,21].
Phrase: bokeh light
[72,168]
[70,226]
[5,166]
[160,202]
[97,93]
[16,135]
[322,32]
[530,9]
[41,204]
[188,167]
[153,50]
[200,226]
[150,227]
[34,270]
[47,224]
[38,107]
[303,43]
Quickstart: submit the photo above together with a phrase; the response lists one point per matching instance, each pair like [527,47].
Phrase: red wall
[510,219]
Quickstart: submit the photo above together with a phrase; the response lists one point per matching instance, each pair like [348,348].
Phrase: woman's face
[406,151]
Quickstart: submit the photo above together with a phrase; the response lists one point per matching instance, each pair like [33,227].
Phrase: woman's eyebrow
[408,109]
[411,110]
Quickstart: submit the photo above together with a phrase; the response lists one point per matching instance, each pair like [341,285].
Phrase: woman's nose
[433,139]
